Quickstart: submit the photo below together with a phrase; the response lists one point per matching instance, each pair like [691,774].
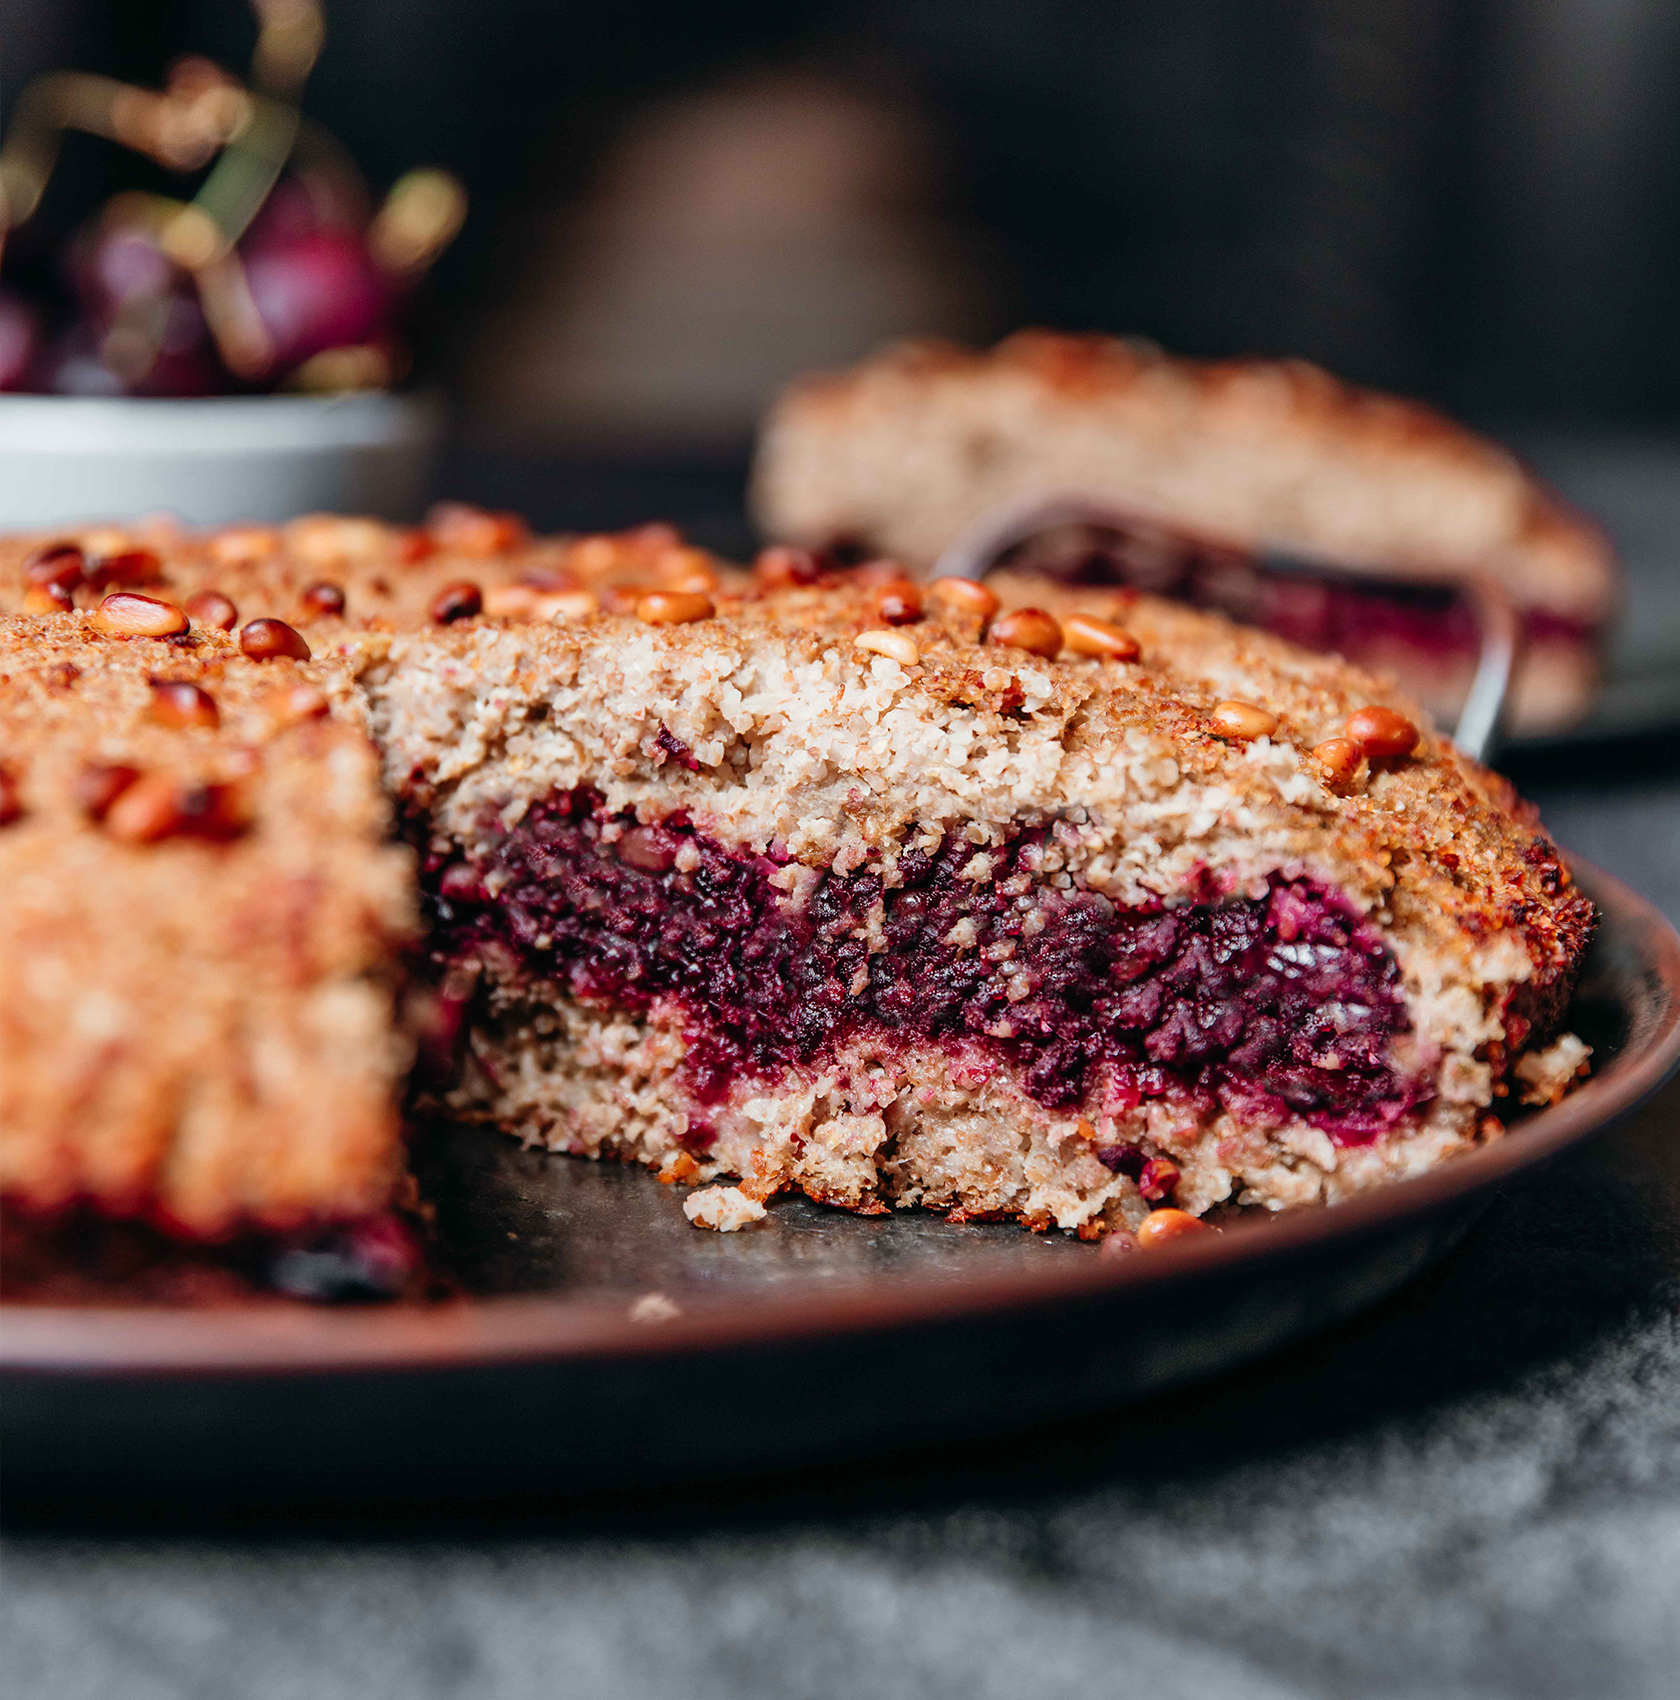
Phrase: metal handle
[975,553]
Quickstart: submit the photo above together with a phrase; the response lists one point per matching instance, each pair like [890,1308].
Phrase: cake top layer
[914,446]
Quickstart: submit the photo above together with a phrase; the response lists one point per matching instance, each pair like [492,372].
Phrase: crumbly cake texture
[908,451]
[771,734]
[199,1024]
[743,897]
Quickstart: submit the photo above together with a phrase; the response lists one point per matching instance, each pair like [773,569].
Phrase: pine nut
[546,579]
[1241,721]
[897,646]
[100,784]
[1338,760]
[899,602]
[145,811]
[510,601]
[782,568]
[458,601]
[241,543]
[687,570]
[1160,1226]
[269,640]
[1381,731]
[567,605]
[157,805]
[475,531]
[56,563]
[48,599]
[126,614]
[179,702]
[324,597]
[125,567]
[964,596]
[674,608]
[292,704]
[1085,634]
[1030,629]
[211,608]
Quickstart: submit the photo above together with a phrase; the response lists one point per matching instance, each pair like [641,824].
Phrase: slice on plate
[1215,471]
[938,910]
[1053,912]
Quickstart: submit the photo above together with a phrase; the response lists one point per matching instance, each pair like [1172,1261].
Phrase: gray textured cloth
[1473,1490]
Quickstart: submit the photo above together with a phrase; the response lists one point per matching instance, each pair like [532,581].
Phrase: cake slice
[1005,912]
[201,933]
[1215,471]
[1074,908]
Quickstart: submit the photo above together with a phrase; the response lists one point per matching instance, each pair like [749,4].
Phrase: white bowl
[215,459]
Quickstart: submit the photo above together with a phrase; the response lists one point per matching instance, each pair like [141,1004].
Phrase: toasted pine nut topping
[1160,1226]
[899,602]
[567,604]
[545,579]
[475,531]
[1241,721]
[268,640]
[781,568]
[294,703]
[1030,629]
[1381,731]
[687,569]
[211,608]
[242,543]
[158,805]
[124,567]
[510,601]
[324,597]
[146,810]
[179,702]
[100,784]
[457,601]
[1085,634]
[898,646]
[1339,759]
[126,614]
[49,598]
[674,607]
[329,540]
[964,596]
[56,563]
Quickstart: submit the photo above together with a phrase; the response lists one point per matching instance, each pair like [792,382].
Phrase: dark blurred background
[674,207]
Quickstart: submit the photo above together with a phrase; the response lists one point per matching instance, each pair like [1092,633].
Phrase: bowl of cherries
[236,351]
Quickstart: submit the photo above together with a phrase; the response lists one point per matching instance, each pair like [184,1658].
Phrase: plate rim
[119,1341]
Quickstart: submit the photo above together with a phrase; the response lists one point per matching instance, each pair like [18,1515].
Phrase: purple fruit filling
[1282,1002]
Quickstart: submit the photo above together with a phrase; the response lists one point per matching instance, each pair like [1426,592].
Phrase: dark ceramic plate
[810,1335]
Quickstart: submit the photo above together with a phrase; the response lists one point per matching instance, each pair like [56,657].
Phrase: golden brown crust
[200,1018]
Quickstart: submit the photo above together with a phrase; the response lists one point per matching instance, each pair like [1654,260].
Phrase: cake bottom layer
[899,1123]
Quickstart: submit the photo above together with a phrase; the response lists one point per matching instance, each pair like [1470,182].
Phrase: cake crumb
[724,1208]
[1546,1075]
[654,1308]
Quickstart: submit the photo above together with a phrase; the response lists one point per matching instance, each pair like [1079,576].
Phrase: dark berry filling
[1333,615]
[1280,1002]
